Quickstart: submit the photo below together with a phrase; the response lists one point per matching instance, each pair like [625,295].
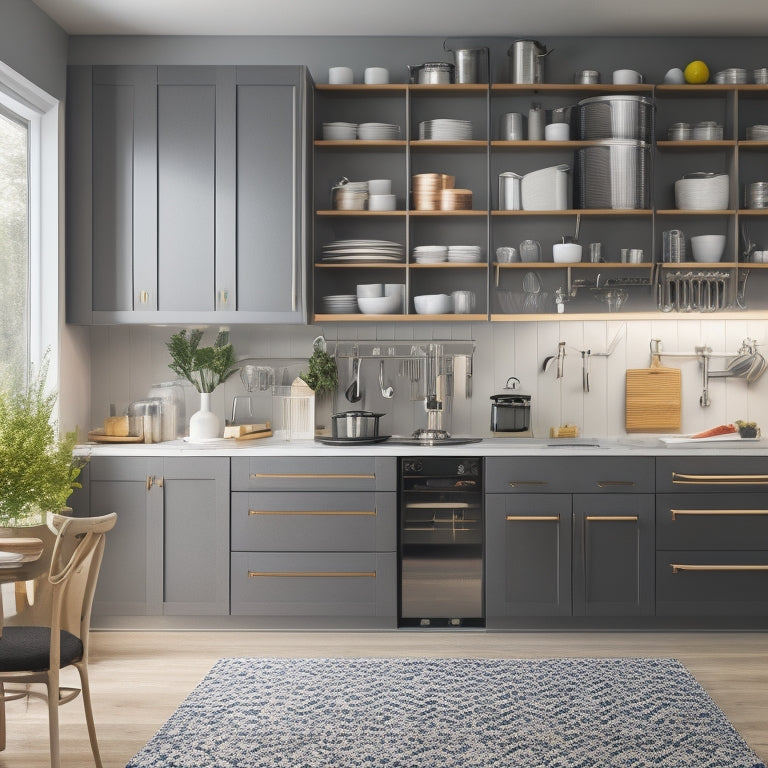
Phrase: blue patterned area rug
[447,713]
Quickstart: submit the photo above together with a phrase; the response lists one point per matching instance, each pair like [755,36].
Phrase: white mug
[380,187]
[557,132]
[627,77]
[376,76]
[340,76]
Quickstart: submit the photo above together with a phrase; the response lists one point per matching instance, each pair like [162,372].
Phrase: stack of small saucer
[428,189]
[757,132]
[430,254]
[445,129]
[464,254]
[456,200]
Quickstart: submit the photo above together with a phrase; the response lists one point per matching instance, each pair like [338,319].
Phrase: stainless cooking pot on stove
[432,73]
[356,424]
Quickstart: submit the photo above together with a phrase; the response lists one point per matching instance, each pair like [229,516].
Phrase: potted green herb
[38,471]
[323,378]
[205,368]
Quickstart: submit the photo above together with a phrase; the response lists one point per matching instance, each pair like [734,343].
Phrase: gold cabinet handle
[678,567]
[702,512]
[440,505]
[315,512]
[518,483]
[143,297]
[306,476]
[612,518]
[312,574]
[610,483]
[534,518]
[682,479]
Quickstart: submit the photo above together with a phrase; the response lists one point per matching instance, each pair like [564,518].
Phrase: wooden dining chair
[51,631]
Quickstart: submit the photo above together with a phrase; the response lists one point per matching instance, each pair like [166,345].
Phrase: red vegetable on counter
[723,429]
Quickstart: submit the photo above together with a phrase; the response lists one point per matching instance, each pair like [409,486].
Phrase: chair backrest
[58,590]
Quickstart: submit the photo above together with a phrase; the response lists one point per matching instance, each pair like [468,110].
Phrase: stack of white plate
[378,131]
[757,132]
[731,75]
[342,304]
[430,254]
[363,250]
[464,254]
[339,131]
[445,129]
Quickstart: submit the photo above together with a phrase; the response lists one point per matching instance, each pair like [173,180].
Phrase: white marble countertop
[493,446]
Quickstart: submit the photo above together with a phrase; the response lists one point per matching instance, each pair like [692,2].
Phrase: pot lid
[518,399]
[616,97]
[344,414]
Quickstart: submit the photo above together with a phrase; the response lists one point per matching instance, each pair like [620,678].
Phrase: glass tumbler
[673,246]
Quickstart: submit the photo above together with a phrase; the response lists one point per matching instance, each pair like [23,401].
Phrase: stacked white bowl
[702,192]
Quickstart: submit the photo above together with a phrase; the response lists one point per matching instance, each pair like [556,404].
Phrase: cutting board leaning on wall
[653,398]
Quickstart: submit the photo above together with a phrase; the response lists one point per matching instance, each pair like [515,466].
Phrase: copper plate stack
[428,188]
[456,200]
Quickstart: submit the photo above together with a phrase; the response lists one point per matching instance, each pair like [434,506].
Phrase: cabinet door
[196,536]
[271,212]
[195,181]
[613,555]
[111,192]
[528,556]
[131,577]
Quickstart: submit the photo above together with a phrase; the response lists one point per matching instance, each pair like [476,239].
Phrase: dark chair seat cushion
[28,648]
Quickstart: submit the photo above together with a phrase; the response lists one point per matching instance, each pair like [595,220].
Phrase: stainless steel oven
[441,542]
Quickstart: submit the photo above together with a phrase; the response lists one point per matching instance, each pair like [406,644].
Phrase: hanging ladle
[385,391]
[353,390]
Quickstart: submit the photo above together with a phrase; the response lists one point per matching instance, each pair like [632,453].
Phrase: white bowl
[376,76]
[566,253]
[627,77]
[380,305]
[380,187]
[708,248]
[339,131]
[382,202]
[433,304]
[557,132]
[370,290]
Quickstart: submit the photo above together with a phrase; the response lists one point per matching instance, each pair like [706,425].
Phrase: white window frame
[41,111]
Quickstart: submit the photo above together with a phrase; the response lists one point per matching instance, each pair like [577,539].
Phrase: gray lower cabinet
[712,537]
[314,541]
[169,551]
[186,191]
[568,537]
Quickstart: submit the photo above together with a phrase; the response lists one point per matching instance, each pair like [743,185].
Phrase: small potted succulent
[205,368]
[38,470]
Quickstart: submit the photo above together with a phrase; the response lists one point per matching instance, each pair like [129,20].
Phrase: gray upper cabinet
[186,191]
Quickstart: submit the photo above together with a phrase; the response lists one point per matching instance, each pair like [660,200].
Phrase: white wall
[128,360]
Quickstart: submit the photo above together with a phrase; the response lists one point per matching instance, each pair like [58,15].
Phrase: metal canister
[471,64]
[527,61]
[510,198]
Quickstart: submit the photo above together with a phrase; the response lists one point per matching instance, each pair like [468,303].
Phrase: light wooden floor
[139,678]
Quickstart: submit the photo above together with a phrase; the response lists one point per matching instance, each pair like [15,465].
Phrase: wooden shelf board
[334,212]
[752,144]
[361,144]
[680,212]
[621,315]
[358,318]
[449,213]
[697,144]
[580,211]
[590,88]
[701,265]
[466,144]
[578,264]
[450,265]
[691,89]
[356,88]
[359,264]
[752,211]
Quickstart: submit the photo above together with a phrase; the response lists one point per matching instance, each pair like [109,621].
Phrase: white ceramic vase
[204,424]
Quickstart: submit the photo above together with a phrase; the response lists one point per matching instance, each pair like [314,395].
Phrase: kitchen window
[29,227]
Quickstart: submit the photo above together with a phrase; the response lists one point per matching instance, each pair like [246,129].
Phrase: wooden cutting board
[653,398]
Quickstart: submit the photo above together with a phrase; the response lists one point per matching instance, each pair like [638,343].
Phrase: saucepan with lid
[357,424]
[432,73]
[511,411]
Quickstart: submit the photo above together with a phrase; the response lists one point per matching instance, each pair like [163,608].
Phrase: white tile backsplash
[127,360]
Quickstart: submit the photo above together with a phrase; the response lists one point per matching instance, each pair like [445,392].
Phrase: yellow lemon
[696,72]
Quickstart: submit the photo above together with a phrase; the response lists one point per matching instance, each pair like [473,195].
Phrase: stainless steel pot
[471,64]
[356,424]
[432,73]
[527,61]
[615,117]
[511,411]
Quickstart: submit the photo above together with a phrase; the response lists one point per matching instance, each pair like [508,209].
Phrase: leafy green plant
[204,367]
[323,375]
[37,469]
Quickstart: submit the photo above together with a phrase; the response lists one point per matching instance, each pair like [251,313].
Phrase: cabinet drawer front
[339,473]
[559,474]
[713,474]
[361,521]
[711,583]
[314,584]
[712,521]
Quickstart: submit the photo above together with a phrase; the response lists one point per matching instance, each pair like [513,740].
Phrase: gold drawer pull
[611,518]
[313,574]
[681,479]
[307,476]
[677,568]
[534,518]
[697,512]
[440,505]
[518,483]
[315,512]
[610,483]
